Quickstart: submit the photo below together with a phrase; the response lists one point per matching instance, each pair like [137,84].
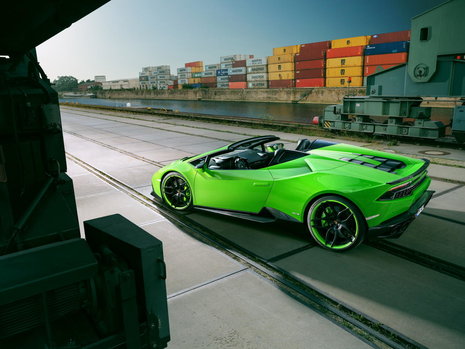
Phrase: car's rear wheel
[176,191]
[335,223]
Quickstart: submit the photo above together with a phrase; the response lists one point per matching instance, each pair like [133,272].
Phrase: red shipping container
[238,78]
[208,80]
[170,87]
[281,83]
[314,64]
[194,64]
[370,69]
[238,85]
[345,52]
[315,46]
[209,84]
[310,55]
[310,83]
[239,64]
[390,37]
[310,74]
[390,58]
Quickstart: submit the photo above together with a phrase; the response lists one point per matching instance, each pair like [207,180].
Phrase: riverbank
[280,95]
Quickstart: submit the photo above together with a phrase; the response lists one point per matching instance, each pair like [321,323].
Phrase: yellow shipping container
[342,82]
[355,41]
[281,59]
[278,51]
[285,75]
[356,61]
[194,81]
[280,67]
[196,69]
[344,71]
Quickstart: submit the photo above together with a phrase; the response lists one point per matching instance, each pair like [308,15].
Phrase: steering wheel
[241,163]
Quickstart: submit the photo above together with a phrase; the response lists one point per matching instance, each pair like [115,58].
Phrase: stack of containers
[226,63]
[344,62]
[144,77]
[208,76]
[281,66]
[184,74]
[196,73]
[238,74]
[386,51]
[310,64]
[163,76]
[257,73]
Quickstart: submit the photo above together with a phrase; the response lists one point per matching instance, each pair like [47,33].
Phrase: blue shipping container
[388,47]
[222,72]
[196,85]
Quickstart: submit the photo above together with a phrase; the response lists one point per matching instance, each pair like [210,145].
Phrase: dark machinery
[58,290]
[435,68]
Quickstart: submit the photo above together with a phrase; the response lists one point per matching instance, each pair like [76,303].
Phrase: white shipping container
[173,77]
[257,61]
[222,78]
[222,85]
[184,75]
[162,67]
[258,84]
[257,69]
[164,72]
[212,66]
[163,77]
[226,65]
[233,58]
[208,73]
[255,77]
[183,81]
[237,71]
[184,70]
[165,81]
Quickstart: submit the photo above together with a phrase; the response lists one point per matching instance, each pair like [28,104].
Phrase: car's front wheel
[335,223]
[176,191]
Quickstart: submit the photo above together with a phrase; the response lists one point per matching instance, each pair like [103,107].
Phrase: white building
[121,84]
[100,78]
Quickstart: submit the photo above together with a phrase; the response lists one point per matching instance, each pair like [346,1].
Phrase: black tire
[176,192]
[336,223]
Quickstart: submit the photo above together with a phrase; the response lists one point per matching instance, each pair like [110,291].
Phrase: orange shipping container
[370,69]
[238,84]
[310,83]
[390,58]
[194,64]
[345,52]
[281,59]
[343,82]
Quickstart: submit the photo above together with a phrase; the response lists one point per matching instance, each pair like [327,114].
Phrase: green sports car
[342,193]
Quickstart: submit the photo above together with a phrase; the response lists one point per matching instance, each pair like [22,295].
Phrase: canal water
[302,113]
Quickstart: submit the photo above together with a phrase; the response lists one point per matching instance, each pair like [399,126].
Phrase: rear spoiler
[416,173]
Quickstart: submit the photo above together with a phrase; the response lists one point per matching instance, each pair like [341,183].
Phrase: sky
[122,36]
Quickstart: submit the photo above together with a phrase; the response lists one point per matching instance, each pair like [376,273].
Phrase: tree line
[71,84]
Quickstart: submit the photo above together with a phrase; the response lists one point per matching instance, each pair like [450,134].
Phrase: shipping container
[238,64]
[208,80]
[286,75]
[310,55]
[255,77]
[370,69]
[390,37]
[184,70]
[293,49]
[221,72]
[343,82]
[346,71]
[196,75]
[314,47]
[391,58]
[226,65]
[314,64]
[160,68]
[171,87]
[208,73]
[222,78]
[310,74]
[350,42]
[237,71]
[238,85]
[194,81]
[387,47]
[356,61]
[196,85]
[233,58]
[257,61]
[257,69]
[209,84]
[281,59]
[183,81]
[310,82]
[238,78]
[281,83]
[258,84]
[212,66]
[184,75]
[280,67]
[194,64]
[222,84]
[164,71]
[197,69]
[345,52]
